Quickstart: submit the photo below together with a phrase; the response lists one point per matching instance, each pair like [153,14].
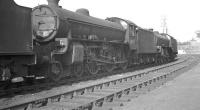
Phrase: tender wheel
[124,66]
[56,71]
[109,67]
[77,69]
[92,67]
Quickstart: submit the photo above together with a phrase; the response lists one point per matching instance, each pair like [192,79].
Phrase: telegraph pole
[198,34]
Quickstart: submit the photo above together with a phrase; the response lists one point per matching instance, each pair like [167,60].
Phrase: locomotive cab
[131,31]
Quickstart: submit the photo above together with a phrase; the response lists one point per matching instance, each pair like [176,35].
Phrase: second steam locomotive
[62,43]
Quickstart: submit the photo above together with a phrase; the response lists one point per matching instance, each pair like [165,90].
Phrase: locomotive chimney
[53,3]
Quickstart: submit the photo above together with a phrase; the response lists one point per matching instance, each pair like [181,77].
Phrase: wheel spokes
[92,67]
[109,67]
[77,70]
[56,71]
[124,65]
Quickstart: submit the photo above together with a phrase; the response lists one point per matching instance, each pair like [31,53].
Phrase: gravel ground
[182,93]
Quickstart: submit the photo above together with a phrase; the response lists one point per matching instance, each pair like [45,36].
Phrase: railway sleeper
[118,102]
[125,98]
[78,102]
[97,101]
[84,99]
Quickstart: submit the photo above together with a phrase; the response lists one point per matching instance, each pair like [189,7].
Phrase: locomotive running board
[105,61]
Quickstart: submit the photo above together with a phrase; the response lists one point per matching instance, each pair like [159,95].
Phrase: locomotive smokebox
[53,3]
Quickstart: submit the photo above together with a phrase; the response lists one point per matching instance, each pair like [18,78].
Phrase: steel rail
[95,94]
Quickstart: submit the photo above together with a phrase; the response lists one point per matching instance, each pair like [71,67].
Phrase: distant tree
[184,43]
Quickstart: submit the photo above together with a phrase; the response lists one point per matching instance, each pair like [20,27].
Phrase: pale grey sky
[183,17]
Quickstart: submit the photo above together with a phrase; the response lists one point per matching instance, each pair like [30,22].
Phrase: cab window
[124,24]
[132,30]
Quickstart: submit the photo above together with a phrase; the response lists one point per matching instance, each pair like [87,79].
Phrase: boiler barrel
[81,26]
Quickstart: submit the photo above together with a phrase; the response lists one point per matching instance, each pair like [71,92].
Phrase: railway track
[33,86]
[102,94]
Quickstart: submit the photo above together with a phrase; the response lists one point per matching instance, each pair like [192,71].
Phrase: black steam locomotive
[49,41]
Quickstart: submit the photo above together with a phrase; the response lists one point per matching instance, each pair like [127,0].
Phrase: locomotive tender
[57,43]
[16,44]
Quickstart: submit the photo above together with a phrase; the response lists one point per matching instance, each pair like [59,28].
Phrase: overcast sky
[182,16]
